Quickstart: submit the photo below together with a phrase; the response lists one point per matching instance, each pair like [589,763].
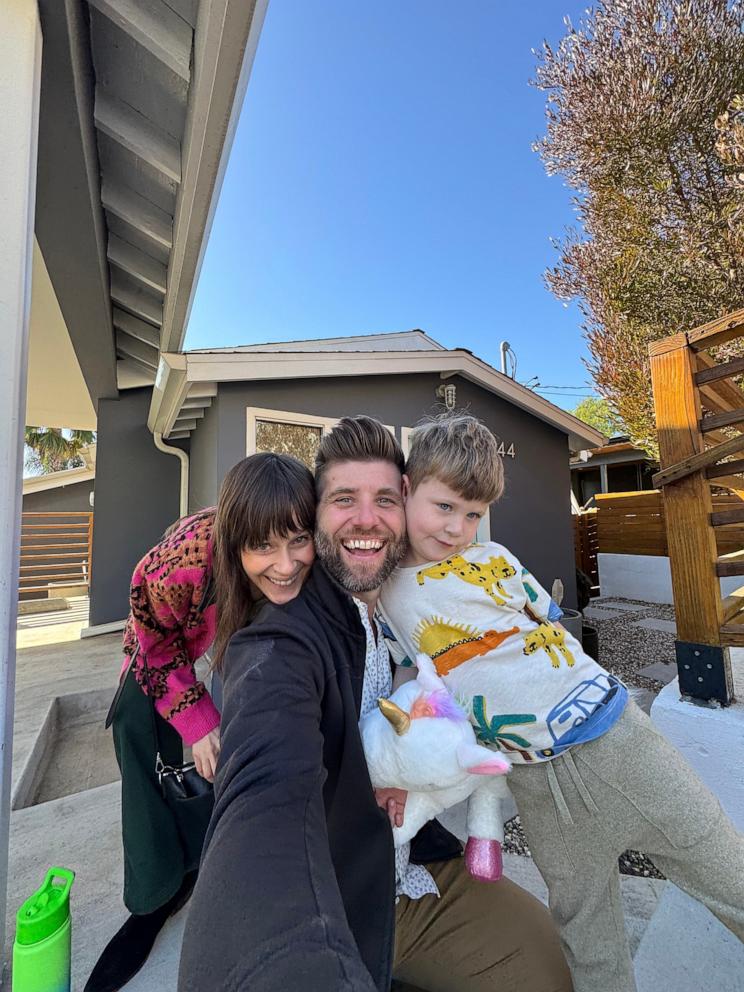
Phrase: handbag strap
[159,763]
[119,689]
[161,768]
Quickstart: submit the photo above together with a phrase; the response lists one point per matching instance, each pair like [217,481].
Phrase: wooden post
[90,549]
[691,540]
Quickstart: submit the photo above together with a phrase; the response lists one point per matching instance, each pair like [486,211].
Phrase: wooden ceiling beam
[137,263]
[140,213]
[154,26]
[138,134]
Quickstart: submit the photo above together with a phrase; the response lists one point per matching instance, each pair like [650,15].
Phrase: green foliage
[50,449]
[598,413]
[645,123]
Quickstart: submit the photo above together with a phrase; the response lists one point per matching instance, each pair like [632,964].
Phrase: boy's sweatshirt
[527,684]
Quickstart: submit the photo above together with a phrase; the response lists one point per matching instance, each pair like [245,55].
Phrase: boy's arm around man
[267,913]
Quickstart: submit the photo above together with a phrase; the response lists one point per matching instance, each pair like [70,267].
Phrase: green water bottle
[41,953]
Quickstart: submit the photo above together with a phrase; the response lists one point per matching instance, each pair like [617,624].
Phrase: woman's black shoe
[130,946]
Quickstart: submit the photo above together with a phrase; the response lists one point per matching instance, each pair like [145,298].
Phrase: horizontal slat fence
[55,551]
[586,543]
[631,523]
[634,524]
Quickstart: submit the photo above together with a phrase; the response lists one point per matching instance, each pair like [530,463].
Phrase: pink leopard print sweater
[172,631]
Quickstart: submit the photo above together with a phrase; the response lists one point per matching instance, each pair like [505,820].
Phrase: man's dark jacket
[296,891]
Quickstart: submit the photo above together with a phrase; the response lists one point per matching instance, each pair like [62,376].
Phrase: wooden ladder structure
[700,424]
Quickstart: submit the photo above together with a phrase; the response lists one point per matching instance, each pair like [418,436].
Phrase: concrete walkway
[82,831]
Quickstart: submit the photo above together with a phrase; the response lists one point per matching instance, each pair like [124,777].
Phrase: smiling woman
[278,566]
[258,546]
[262,538]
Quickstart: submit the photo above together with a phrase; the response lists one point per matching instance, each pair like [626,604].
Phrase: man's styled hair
[458,450]
[356,439]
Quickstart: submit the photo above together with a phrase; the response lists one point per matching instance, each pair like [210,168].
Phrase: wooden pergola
[700,423]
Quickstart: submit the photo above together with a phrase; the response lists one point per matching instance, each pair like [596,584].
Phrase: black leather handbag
[191,800]
[189,796]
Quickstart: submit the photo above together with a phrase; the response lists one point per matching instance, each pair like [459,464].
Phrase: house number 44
[503,450]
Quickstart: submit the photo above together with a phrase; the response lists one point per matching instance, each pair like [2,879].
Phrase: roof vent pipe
[183,499]
[505,347]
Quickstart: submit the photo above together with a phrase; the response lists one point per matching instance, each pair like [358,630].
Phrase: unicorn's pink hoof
[483,859]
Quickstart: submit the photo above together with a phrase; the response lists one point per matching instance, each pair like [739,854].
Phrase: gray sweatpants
[628,789]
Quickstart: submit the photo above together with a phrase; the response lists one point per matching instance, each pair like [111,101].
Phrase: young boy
[591,775]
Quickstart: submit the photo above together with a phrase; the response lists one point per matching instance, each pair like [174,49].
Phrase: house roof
[615,452]
[67,477]
[187,381]
[414,340]
[139,104]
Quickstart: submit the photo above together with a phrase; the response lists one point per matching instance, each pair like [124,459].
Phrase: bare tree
[643,123]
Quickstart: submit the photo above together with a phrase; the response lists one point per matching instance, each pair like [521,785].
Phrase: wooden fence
[55,551]
[635,524]
[586,544]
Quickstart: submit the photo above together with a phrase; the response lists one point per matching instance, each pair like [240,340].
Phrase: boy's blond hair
[458,450]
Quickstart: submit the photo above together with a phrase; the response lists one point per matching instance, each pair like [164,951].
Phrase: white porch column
[20,74]
[604,484]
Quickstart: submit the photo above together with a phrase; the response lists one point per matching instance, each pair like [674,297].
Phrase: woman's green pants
[154,861]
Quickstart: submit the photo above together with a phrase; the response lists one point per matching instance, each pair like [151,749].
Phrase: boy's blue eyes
[448,506]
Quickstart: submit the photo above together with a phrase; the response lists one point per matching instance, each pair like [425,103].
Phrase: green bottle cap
[47,909]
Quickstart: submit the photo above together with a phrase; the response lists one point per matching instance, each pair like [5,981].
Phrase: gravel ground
[623,651]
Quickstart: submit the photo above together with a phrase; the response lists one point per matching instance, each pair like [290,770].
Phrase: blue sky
[382,178]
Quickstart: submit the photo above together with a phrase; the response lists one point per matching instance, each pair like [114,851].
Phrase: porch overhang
[139,105]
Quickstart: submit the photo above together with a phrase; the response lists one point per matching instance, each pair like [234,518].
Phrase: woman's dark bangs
[283,506]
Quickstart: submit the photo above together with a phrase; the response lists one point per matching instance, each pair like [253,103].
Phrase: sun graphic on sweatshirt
[449,643]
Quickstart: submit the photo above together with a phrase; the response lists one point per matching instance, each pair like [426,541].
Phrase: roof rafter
[132,348]
[137,328]
[137,134]
[139,302]
[140,213]
[155,26]
[137,263]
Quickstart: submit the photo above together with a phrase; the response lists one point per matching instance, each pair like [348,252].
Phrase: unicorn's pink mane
[437,704]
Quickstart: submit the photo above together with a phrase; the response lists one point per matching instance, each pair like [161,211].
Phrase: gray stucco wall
[203,473]
[136,499]
[65,499]
[533,519]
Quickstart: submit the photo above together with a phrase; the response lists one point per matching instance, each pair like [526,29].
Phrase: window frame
[254,413]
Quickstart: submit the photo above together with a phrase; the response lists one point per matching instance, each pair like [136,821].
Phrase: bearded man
[300,888]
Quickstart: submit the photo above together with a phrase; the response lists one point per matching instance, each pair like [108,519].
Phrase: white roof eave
[178,371]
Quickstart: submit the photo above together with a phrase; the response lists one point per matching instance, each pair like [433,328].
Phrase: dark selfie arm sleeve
[266,914]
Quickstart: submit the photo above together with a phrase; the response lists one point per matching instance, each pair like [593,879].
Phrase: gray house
[616,467]
[68,490]
[133,108]
[220,405]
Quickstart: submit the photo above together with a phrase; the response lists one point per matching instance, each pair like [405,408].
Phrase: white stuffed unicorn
[422,741]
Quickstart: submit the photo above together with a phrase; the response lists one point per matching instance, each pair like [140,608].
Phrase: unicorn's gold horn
[395,715]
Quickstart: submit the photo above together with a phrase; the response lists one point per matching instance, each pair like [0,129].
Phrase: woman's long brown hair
[262,495]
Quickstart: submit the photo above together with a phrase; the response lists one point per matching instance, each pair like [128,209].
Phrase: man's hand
[205,752]
[394,801]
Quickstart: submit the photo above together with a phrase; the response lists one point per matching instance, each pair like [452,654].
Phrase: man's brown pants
[478,937]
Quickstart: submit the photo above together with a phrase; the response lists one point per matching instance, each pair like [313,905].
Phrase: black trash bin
[590,640]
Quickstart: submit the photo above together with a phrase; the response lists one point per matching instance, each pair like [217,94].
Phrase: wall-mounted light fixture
[448,392]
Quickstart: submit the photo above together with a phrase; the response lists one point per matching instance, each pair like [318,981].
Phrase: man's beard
[361,578]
